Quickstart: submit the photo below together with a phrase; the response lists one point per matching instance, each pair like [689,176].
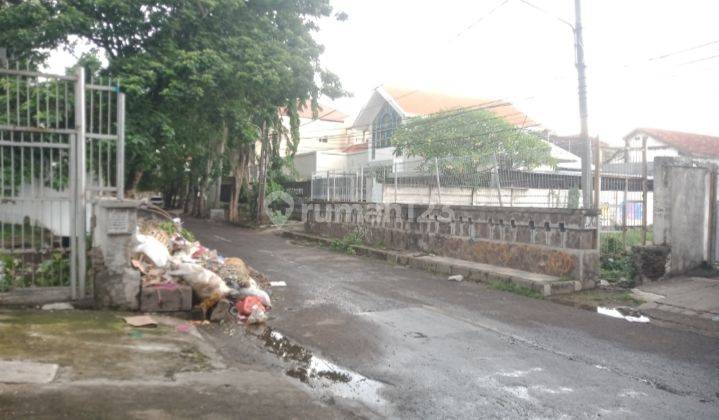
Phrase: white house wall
[312,130]
[305,164]
[655,148]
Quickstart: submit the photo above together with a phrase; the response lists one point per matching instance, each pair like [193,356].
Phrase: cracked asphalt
[461,350]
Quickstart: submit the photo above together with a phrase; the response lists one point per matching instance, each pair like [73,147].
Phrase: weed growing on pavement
[616,262]
[347,243]
[516,289]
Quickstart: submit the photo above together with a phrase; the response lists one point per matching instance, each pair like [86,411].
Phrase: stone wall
[650,262]
[558,242]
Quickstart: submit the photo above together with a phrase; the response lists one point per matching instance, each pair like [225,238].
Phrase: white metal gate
[61,148]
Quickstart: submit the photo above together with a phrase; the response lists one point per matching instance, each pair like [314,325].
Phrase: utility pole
[584,134]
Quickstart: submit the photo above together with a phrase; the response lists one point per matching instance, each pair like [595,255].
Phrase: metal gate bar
[58,154]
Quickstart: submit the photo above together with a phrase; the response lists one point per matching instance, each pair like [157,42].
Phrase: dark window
[323,139]
[384,126]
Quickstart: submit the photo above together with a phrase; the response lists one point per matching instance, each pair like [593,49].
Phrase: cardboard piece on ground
[140,321]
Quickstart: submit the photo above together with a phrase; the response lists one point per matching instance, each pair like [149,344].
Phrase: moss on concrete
[590,299]
[91,344]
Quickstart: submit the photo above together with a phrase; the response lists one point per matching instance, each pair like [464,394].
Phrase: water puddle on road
[321,374]
[631,315]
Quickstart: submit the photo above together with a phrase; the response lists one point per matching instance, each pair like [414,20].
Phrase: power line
[548,13]
[483,105]
[478,21]
[460,33]
[682,51]
[470,123]
[700,60]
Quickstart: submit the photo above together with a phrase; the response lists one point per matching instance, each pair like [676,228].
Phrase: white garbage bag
[204,282]
[254,290]
[153,249]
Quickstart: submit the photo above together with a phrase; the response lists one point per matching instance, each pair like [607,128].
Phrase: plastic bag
[258,316]
[152,249]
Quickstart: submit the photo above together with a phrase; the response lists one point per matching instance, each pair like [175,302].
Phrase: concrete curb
[477,272]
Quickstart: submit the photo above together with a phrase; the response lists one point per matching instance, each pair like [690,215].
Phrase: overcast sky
[523,55]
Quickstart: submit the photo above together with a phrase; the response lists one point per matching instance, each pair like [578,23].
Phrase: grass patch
[347,243]
[516,289]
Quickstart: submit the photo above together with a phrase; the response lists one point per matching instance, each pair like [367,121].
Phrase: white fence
[621,199]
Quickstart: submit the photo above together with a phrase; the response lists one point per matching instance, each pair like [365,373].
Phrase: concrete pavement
[433,348]
[691,296]
[90,365]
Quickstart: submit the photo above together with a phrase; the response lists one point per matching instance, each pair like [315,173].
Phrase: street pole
[584,134]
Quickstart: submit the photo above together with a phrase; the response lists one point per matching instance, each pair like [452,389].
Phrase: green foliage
[170,228]
[573,198]
[477,136]
[516,289]
[348,242]
[9,271]
[201,77]
[54,271]
[187,235]
[615,260]
[278,217]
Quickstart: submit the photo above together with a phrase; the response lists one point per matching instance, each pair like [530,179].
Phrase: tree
[202,77]
[468,140]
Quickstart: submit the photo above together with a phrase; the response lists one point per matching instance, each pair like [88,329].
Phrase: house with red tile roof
[389,106]
[670,143]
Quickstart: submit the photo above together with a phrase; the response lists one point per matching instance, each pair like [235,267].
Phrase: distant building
[326,142]
[669,143]
[575,145]
[629,159]
[327,130]
[389,106]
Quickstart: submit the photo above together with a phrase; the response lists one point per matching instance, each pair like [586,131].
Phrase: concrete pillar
[116,284]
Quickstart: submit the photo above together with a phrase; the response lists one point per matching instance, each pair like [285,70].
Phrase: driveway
[407,343]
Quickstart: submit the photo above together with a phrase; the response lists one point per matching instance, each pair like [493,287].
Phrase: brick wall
[559,242]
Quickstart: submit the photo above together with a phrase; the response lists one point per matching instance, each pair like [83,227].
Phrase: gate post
[121,144]
[80,207]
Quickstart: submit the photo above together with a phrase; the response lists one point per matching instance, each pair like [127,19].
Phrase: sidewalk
[690,296]
[87,364]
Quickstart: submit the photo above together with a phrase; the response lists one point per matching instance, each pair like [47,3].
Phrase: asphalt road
[411,344]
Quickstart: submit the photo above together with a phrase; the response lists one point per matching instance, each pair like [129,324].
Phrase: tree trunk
[186,198]
[262,176]
[213,161]
[136,177]
[238,171]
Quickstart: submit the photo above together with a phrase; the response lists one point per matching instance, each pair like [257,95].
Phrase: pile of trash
[166,255]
